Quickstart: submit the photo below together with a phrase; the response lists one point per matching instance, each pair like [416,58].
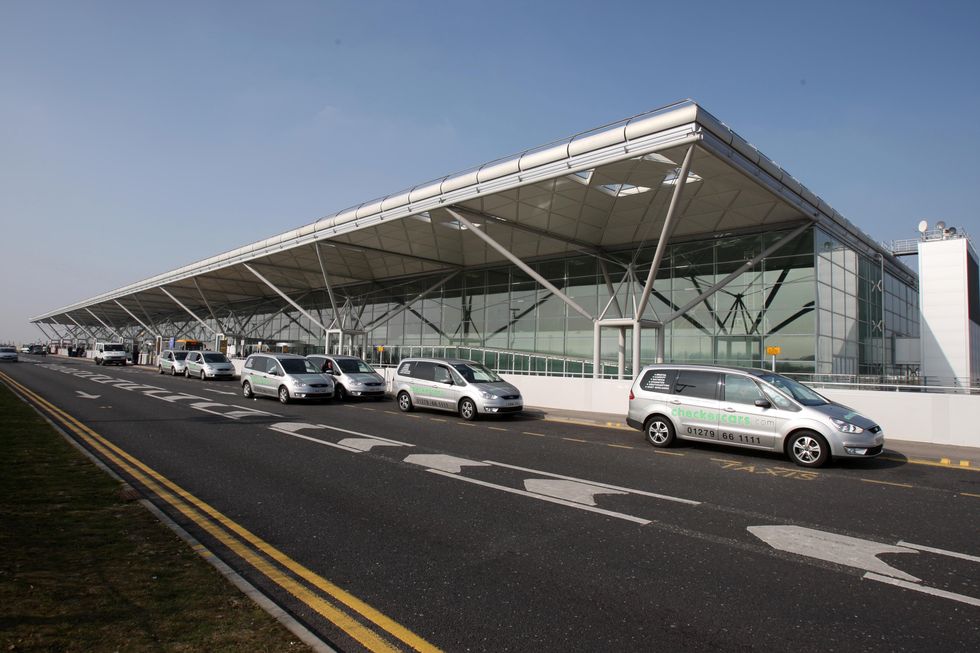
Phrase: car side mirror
[763,403]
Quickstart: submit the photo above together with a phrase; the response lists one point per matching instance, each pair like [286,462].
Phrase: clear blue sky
[136,137]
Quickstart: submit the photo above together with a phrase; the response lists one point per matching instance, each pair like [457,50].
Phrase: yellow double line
[262,556]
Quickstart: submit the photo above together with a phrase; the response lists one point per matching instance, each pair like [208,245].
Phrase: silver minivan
[751,408]
[208,365]
[460,386]
[352,377]
[172,361]
[286,376]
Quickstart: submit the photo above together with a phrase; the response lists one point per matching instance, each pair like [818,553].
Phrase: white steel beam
[108,328]
[137,319]
[521,264]
[284,296]
[93,337]
[326,282]
[208,306]
[404,307]
[665,234]
[189,311]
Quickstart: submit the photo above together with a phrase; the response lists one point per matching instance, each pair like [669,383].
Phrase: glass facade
[831,309]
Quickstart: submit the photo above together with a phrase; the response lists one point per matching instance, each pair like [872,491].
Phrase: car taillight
[631,396]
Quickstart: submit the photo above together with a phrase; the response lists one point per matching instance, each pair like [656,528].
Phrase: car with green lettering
[286,376]
[749,408]
[459,386]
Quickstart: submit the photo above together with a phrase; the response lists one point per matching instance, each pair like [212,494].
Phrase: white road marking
[962,598]
[221,392]
[569,490]
[173,398]
[85,395]
[541,497]
[247,412]
[443,463]
[292,427]
[597,484]
[365,444]
[951,554]
[831,547]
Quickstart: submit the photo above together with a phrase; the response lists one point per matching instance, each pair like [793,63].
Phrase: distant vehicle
[25,349]
[208,365]
[39,350]
[352,376]
[171,361]
[750,408]
[286,376]
[459,386]
[8,354]
[110,353]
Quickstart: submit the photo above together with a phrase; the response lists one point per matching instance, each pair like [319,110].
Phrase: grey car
[8,354]
[459,386]
[208,365]
[352,376]
[750,408]
[171,361]
[286,376]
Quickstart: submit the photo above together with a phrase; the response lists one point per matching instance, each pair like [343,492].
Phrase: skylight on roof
[623,190]
[582,176]
[457,225]
[422,217]
[671,178]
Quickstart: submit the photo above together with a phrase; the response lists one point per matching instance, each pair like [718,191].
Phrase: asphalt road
[379,528]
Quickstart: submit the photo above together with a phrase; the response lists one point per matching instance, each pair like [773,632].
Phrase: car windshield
[8,350]
[476,373]
[354,366]
[215,358]
[795,389]
[180,355]
[114,348]
[298,366]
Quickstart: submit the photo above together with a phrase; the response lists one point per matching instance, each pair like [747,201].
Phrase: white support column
[521,264]
[661,343]
[189,311]
[137,319]
[284,296]
[665,233]
[637,333]
[326,282]
[621,340]
[596,349]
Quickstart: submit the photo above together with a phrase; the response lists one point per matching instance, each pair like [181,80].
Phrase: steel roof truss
[189,311]
[284,296]
[521,264]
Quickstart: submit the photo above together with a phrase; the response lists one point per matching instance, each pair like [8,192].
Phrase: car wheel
[340,393]
[467,409]
[97,361]
[161,369]
[807,449]
[202,374]
[173,371]
[659,431]
[283,394]
[404,402]
[247,390]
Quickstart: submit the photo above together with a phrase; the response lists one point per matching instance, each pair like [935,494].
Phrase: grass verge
[84,567]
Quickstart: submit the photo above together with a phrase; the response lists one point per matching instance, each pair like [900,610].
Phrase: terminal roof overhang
[601,190]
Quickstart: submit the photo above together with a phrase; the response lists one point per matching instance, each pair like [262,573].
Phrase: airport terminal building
[662,237]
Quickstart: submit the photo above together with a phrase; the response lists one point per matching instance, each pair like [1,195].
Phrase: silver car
[750,408]
[286,376]
[8,354]
[352,376]
[208,365]
[172,361]
[460,386]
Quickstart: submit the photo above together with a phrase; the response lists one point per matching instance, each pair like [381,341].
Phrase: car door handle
[729,409]
[675,401]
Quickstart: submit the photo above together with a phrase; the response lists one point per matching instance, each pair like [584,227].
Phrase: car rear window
[658,380]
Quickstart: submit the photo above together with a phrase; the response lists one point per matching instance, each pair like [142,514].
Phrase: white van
[110,353]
